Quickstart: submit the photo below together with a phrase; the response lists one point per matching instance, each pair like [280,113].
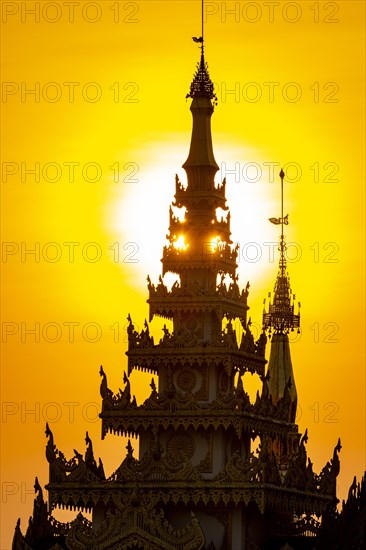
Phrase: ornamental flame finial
[202,86]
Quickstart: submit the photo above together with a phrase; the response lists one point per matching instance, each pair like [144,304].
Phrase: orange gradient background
[138,141]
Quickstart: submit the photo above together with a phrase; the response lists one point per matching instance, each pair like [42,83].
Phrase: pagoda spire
[281,319]
[199,480]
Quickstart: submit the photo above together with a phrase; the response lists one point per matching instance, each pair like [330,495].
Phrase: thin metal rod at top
[282,208]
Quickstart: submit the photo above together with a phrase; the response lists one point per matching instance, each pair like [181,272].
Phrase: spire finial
[202,85]
[203,37]
[280,316]
[282,242]
[283,220]
[200,39]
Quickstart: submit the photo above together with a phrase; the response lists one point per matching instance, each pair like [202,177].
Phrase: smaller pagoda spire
[281,319]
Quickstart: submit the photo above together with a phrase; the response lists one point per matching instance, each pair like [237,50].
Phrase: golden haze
[138,133]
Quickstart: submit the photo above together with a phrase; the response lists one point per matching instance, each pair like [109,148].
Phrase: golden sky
[105,130]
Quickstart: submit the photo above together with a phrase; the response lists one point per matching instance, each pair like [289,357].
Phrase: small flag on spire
[198,40]
[277,221]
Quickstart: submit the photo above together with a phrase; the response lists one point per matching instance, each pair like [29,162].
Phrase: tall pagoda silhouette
[214,470]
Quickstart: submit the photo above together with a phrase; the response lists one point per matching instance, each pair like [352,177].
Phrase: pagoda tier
[136,524]
[173,480]
[214,257]
[200,240]
[230,410]
[199,207]
[187,197]
[226,301]
[150,530]
[265,495]
[183,347]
